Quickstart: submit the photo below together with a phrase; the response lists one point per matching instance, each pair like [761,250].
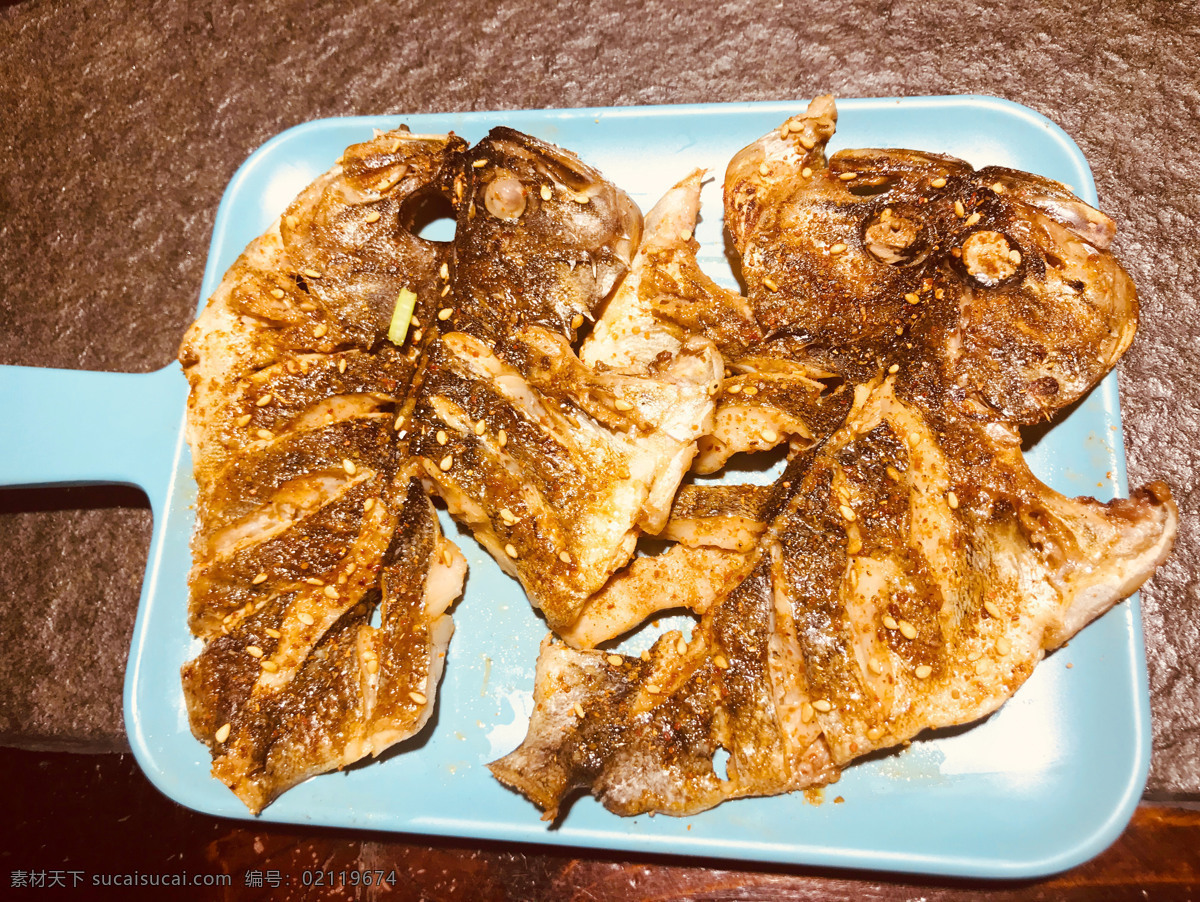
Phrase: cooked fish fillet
[914,571]
[305,501]
[555,465]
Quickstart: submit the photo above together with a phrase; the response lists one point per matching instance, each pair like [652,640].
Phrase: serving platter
[1047,782]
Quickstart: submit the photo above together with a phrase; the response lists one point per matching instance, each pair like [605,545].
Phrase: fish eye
[504,197]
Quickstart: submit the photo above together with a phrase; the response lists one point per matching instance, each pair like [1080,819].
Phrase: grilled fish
[914,571]
[306,517]
[556,463]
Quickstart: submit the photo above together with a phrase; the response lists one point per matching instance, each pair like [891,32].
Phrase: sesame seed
[653,689]
[480,427]
[305,618]
[680,646]
[907,630]
[890,622]
[444,272]
[372,665]
[769,435]
[763,169]
[446,462]
[874,667]
[479,164]
[854,546]
[622,404]
[721,662]
[269,666]
[615,660]
[223,732]
[442,437]
[1014,257]
[990,607]
[312,273]
[418,697]
[807,143]
[783,131]
[1003,647]
[510,551]
[578,709]
[837,248]
[579,198]
[848,176]
[243,419]
[547,192]
[822,705]
[502,438]
[734,389]
[445,313]
[959,209]
[331,592]
[348,466]
[313,581]
[565,557]
[261,578]
[894,368]
[893,473]
[368,504]
[277,293]
[254,651]
[273,633]
[507,516]
[308,306]
[373,216]
[265,434]
[806,712]
[806,172]
[445,291]
[846,511]
[770,283]
[952,500]
[912,297]
[342,365]
[938,182]
[417,335]
[923,671]
[577,321]
[973,218]
[320,330]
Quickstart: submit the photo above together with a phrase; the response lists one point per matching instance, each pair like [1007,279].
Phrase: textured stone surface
[123,123]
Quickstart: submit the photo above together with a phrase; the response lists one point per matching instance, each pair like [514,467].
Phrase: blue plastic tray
[1046,783]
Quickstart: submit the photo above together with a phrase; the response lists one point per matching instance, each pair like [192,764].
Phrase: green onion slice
[406,301]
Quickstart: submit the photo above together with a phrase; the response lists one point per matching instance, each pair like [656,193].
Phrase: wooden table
[81,818]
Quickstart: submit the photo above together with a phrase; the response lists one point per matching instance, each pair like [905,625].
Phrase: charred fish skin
[541,238]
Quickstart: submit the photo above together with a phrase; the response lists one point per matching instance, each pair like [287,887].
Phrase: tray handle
[77,427]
